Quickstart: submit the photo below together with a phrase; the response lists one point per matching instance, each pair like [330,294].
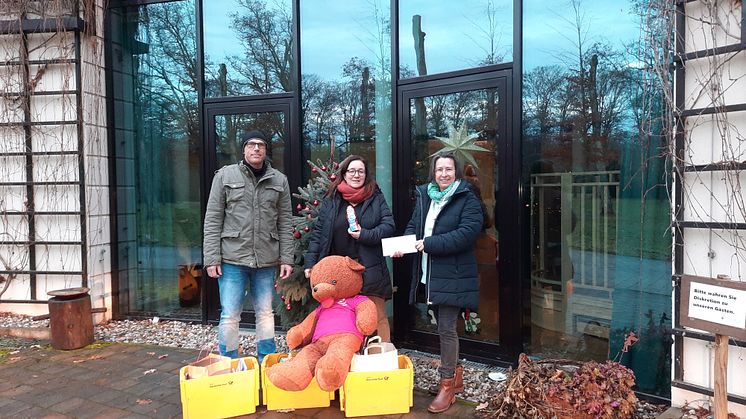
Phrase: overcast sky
[335,31]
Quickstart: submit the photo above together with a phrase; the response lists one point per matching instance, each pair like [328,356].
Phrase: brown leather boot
[458,384]
[445,398]
[458,377]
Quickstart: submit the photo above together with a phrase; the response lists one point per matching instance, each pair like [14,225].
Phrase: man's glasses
[359,172]
[257,145]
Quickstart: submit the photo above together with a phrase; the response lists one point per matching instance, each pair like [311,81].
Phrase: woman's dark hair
[445,155]
[369,184]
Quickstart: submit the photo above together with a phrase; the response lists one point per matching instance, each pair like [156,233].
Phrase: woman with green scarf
[446,220]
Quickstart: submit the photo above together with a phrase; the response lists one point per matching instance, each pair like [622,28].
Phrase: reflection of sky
[220,39]
[332,33]
[455,31]
[339,30]
[549,31]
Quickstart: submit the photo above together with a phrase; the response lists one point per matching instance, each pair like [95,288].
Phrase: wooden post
[721,371]
[721,376]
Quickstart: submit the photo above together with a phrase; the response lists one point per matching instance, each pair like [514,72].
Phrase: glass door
[468,117]
[227,123]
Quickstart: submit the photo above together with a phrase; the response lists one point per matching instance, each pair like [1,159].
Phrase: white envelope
[404,244]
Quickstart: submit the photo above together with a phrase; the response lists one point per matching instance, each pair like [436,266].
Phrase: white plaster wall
[714,196]
[699,367]
[711,139]
[681,397]
[93,85]
[711,25]
[728,87]
[701,34]
[60,77]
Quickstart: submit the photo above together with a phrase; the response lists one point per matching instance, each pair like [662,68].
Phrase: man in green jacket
[247,235]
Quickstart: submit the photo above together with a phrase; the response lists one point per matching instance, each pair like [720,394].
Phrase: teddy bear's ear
[356,267]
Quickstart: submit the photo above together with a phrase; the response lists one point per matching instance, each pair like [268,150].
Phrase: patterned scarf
[434,192]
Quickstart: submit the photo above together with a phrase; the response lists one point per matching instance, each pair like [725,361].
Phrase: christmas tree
[295,291]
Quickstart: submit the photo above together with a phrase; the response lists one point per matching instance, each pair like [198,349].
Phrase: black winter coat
[453,278]
[377,223]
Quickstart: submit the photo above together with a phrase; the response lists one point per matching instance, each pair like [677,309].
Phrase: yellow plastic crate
[378,393]
[278,399]
[223,395]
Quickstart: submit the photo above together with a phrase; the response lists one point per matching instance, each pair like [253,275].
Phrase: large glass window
[156,122]
[465,123]
[346,89]
[248,47]
[440,36]
[600,249]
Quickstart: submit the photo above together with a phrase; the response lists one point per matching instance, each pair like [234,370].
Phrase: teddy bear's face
[334,278]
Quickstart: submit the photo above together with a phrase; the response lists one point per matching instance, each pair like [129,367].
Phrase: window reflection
[231,128]
[466,124]
[248,47]
[600,253]
[346,90]
[156,121]
[441,36]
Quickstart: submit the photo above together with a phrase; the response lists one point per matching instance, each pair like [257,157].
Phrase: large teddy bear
[331,334]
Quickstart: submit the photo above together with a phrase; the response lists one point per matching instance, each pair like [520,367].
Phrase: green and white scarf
[434,192]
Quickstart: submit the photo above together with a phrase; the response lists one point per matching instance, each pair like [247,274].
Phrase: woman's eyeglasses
[359,172]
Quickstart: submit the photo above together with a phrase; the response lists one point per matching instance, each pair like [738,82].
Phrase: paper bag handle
[374,345]
[206,350]
[373,340]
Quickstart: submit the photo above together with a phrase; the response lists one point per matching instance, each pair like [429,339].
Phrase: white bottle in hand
[351,219]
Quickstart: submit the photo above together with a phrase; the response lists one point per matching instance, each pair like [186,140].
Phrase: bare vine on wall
[41,160]
[714,82]
[711,82]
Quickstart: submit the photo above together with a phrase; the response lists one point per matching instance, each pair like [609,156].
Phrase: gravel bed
[478,387]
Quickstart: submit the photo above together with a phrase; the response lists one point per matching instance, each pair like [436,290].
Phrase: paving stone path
[120,381]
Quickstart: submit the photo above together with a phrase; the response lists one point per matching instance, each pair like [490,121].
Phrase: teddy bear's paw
[289,377]
[330,377]
[294,337]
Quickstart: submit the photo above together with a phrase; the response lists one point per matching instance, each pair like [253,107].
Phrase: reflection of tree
[453,110]
[320,103]
[541,100]
[163,47]
[490,30]
[343,110]
[358,100]
[172,67]
[230,130]
[579,113]
[265,35]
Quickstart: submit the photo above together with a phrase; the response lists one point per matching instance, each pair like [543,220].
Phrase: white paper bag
[377,356]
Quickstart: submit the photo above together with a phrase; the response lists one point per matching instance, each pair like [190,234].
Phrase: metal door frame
[505,214]
[271,103]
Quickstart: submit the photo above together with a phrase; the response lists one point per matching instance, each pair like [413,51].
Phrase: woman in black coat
[447,220]
[333,234]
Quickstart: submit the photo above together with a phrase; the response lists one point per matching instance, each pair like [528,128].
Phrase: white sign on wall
[726,306]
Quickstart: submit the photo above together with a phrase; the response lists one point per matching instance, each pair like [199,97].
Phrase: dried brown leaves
[564,389]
